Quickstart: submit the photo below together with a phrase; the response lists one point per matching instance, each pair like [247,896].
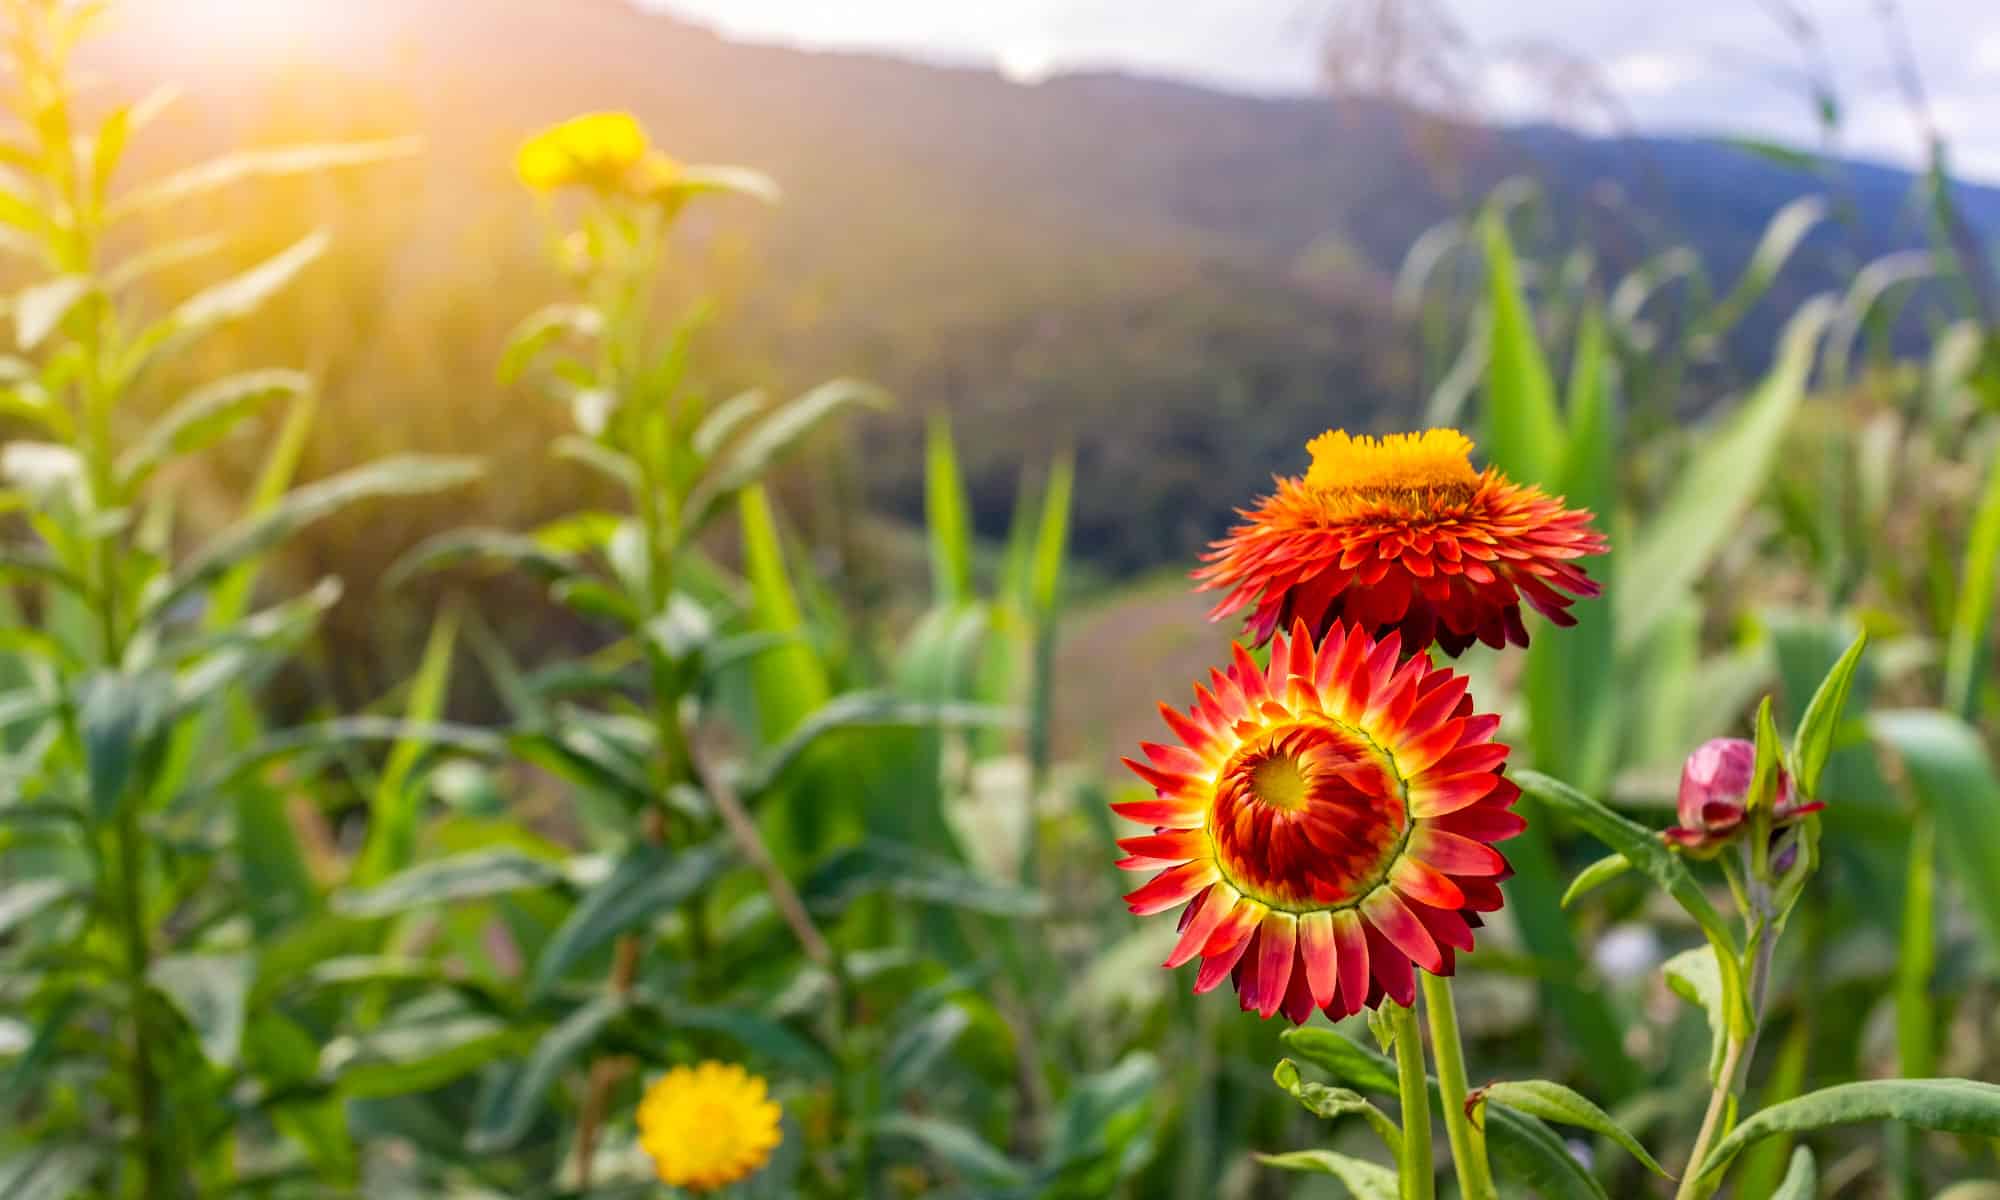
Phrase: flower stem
[1419,1177]
[1468,1141]
[1736,1059]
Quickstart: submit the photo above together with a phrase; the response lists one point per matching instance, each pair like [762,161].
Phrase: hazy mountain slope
[1102,260]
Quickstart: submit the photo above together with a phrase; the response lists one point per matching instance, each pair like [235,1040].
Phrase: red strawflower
[1714,782]
[1327,820]
[1401,533]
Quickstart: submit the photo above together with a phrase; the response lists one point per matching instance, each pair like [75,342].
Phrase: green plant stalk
[155,1161]
[1736,1059]
[1916,1013]
[1468,1141]
[1418,1175]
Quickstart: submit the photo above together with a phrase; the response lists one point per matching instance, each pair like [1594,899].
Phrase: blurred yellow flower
[596,148]
[708,1126]
[656,177]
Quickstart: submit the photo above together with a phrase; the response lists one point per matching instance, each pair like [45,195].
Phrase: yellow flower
[596,149]
[657,177]
[708,1126]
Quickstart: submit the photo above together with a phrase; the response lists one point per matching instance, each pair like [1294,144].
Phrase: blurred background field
[1107,305]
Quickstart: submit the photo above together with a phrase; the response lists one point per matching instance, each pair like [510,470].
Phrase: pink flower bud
[1714,783]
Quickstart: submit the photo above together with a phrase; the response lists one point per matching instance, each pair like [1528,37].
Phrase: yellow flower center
[1436,460]
[1280,783]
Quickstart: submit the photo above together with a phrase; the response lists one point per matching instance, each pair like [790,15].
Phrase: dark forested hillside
[1100,261]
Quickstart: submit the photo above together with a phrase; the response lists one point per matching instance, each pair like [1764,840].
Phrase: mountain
[1180,283]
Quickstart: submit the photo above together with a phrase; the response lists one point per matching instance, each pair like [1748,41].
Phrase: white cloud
[1649,73]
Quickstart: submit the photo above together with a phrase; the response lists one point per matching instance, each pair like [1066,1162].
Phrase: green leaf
[119,715]
[913,1054]
[212,991]
[905,873]
[324,736]
[958,1148]
[1643,849]
[266,163]
[396,808]
[1784,233]
[1364,1180]
[204,417]
[1052,540]
[1972,615]
[1597,874]
[472,876]
[865,710]
[790,680]
[770,439]
[410,475]
[20,902]
[946,521]
[1695,977]
[453,547]
[1333,1103]
[768,1039]
[648,882]
[1801,1182]
[48,1173]
[1944,1105]
[541,329]
[1554,1102]
[243,294]
[39,309]
[415,1056]
[1763,793]
[1814,740]
[1707,501]
[1522,1147]
[725,421]
[1524,433]
[1952,775]
[506,1111]
[739,181]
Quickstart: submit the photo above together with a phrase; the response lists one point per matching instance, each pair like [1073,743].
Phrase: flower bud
[1714,783]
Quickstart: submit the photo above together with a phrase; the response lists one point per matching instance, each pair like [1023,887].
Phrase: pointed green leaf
[1364,1180]
[204,417]
[747,459]
[1944,1105]
[264,163]
[945,518]
[963,1151]
[1814,740]
[212,991]
[1594,876]
[1696,977]
[476,875]
[509,1107]
[1333,1103]
[39,309]
[1953,776]
[1971,633]
[396,808]
[648,882]
[1554,1102]
[1524,433]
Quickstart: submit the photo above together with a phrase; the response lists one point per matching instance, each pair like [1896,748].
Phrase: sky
[1686,66]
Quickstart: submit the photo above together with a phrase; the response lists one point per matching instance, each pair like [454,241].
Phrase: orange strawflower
[1327,821]
[1400,533]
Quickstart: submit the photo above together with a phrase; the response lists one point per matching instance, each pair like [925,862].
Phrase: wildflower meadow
[1588,794]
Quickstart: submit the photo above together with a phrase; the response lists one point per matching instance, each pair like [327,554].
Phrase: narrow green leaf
[1943,1105]
[739,181]
[1052,540]
[1707,501]
[456,546]
[1525,436]
[48,1173]
[1814,740]
[913,1053]
[20,902]
[405,476]
[1801,1182]
[790,680]
[541,329]
[507,1110]
[204,417]
[212,991]
[1554,1102]
[725,421]
[865,710]
[259,164]
[396,808]
[472,876]
[1763,793]
[1364,1180]
[1343,1058]
[750,456]
[243,294]
[1696,977]
[958,1148]
[911,875]
[119,715]
[402,1058]
[946,519]
[1783,235]
[1971,633]
[1333,1103]
[1952,775]
[760,1036]
[648,882]
[1643,849]
[39,309]
[1594,876]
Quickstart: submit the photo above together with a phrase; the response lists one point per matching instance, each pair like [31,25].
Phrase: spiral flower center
[1308,816]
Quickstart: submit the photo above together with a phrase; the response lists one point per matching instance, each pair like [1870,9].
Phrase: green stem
[1419,1177]
[1468,1141]
[155,1166]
